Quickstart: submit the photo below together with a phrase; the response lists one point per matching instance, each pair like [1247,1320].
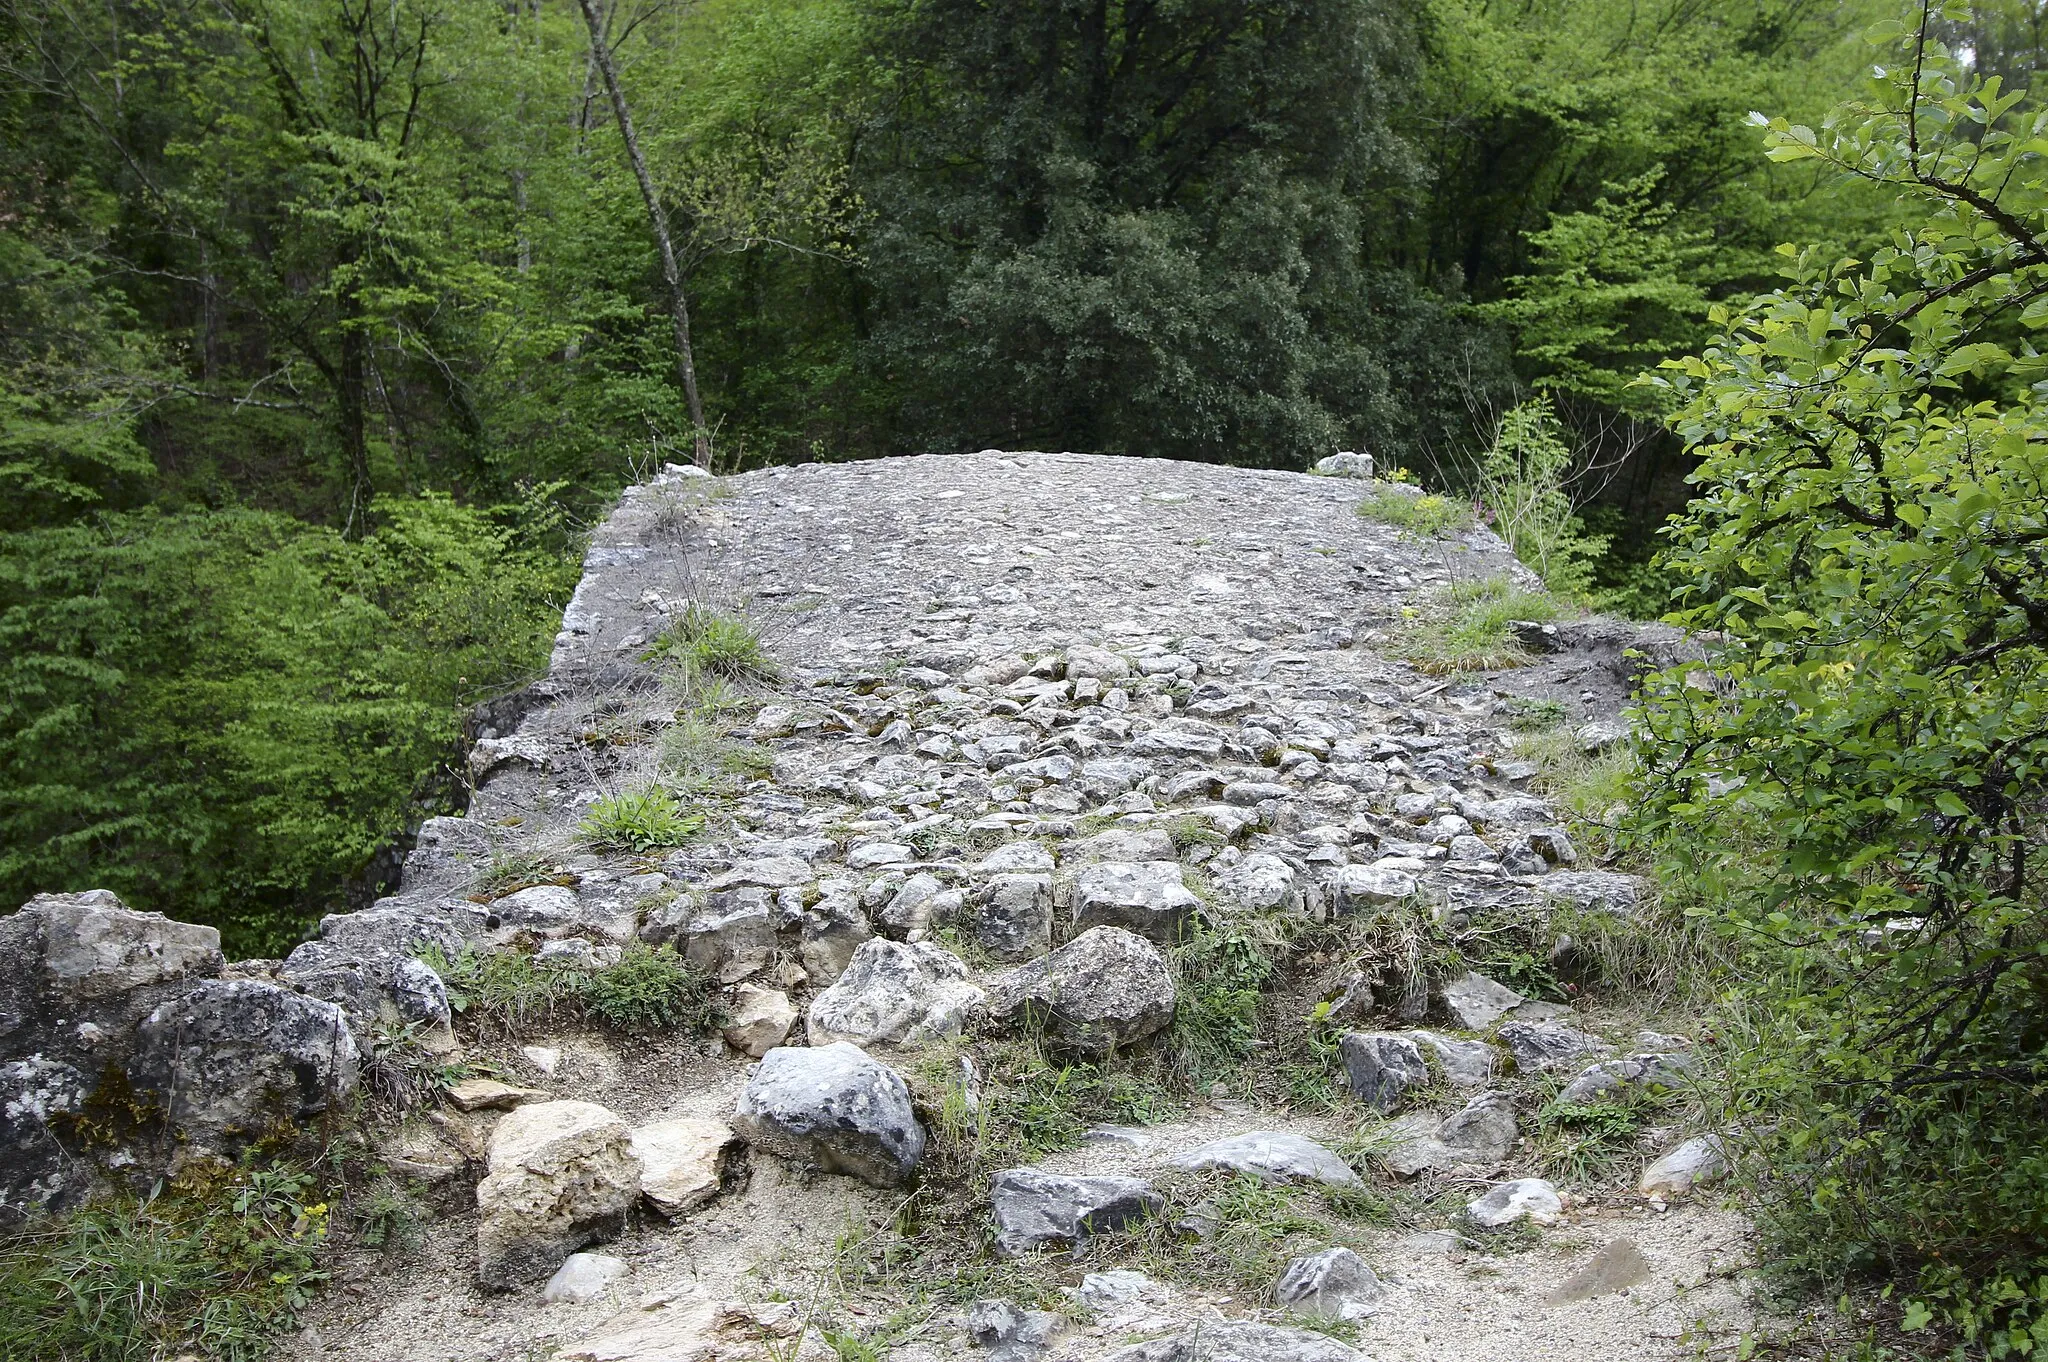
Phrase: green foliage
[225,714]
[1217,975]
[651,988]
[1469,631]
[510,993]
[1426,515]
[1868,537]
[639,821]
[718,645]
[219,1269]
[1522,486]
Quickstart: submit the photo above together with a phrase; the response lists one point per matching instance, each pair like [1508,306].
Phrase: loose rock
[1104,990]
[1037,1210]
[1333,1284]
[1381,1066]
[835,1107]
[561,1175]
[683,1163]
[894,994]
[1272,1156]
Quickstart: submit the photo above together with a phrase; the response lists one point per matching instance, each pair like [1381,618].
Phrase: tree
[1868,540]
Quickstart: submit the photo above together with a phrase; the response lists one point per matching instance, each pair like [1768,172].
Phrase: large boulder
[561,1175]
[231,1061]
[1381,1066]
[896,994]
[1105,989]
[1146,897]
[1271,1156]
[1238,1340]
[833,1106]
[368,964]
[1038,1210]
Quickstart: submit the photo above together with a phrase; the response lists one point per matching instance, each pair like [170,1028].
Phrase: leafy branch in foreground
[1869,542]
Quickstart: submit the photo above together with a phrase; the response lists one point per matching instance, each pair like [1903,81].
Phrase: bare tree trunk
[679,307]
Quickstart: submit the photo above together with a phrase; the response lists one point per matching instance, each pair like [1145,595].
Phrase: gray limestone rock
[1539,1047]
[367,963]
[1466,1063]
[1380,1066]
[733,936]
[1345,464]
[1102,991]
[1261,882]
[1037,1210]
[833,1106]
[1680,1171]
[1011,916]
[1614,1078]
[234,1060]
[1480,1133]
[1333,1284]
[1477,1002]
[1122,844]
[828,934]
[37,1172]
[1239,1340]
[1530,1199]
[1146,897]
[583,1277]
[1008,1333]
[1271,1156]
[1595,890]
[896,994]
[1358,888]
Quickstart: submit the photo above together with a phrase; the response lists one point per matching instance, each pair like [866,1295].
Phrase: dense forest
[327,322]
[326,326]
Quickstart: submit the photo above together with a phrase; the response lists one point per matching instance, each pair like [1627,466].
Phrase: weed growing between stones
[218,1267]
[508,993]
[642,821]
[508,873]
[1425,515]
[713,643]
[1469,630]
[651,988]
[1588,1143]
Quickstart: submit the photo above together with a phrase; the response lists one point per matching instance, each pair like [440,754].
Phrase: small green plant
[1428,516]
[1215,1019]
[1529,714]
[651,989]
[1589,1143]
[510,873]
[1522,479]
[645,820]
[716,644]
[218,1267]
[389,1218]
[1470,630]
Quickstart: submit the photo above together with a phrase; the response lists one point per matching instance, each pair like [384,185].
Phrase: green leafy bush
[220,1268]
[1869,540]
[645,820]
[650,988]
[1522,486]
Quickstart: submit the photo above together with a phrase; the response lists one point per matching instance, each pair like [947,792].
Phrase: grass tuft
[1427,515]
[1469,632]
[715,644]
[645,820]
[508,993]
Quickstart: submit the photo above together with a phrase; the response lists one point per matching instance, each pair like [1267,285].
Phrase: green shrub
[218,1268]
[716,644]
[1868,544]
[645,820]
[651,989]
[1426,514]
[1218,975]
[1522,479]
